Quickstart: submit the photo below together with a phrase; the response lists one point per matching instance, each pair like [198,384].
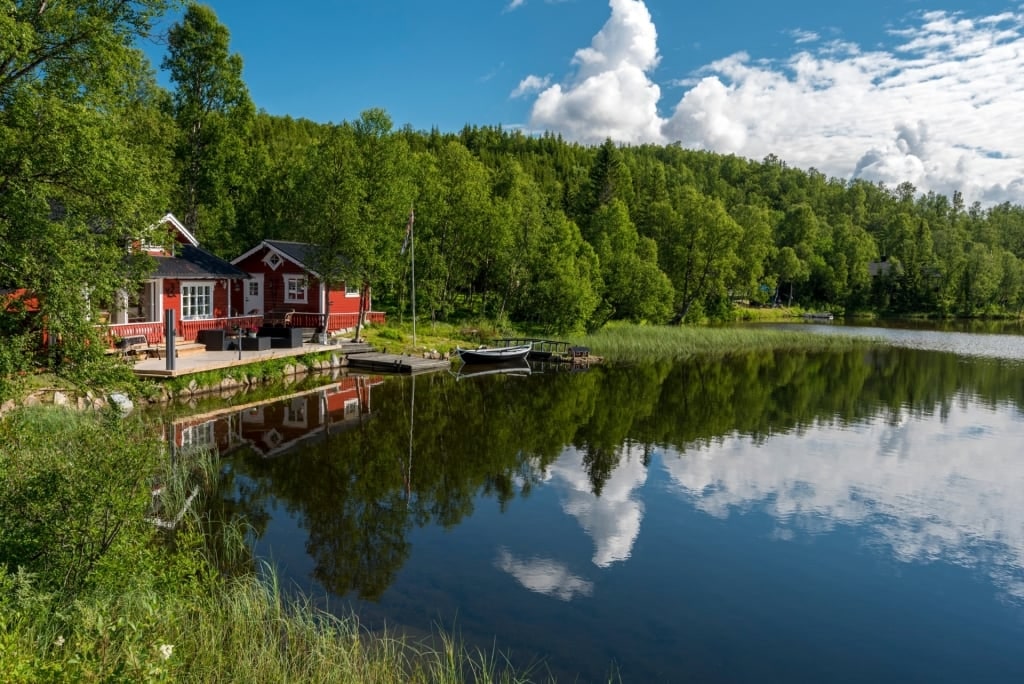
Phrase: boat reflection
[519,367]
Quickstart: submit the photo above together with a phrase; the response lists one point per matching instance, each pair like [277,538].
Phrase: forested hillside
[508,225]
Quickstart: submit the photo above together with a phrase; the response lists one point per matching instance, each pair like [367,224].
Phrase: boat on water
[494,354]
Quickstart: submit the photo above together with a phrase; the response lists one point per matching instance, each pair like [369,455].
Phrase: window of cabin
[294,289]
[351,290]
[351,408]
[196,300]
[295,413]
[202,436]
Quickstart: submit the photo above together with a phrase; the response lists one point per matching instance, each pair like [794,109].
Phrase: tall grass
[153,604]
[623,342]
[251,633]
[244,630]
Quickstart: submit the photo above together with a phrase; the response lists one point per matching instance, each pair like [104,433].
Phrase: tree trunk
[360,319]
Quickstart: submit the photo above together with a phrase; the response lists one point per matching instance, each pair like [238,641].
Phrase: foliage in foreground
[91,590]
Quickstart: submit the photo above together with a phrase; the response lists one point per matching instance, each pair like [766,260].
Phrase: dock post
[169,352]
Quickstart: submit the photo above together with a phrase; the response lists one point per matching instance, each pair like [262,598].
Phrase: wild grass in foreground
[243,630]
[108,574]
[250,632]
[639,342]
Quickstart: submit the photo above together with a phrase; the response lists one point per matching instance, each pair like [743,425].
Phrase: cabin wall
[222,303]
[342,303]
[172,298]
[274,288]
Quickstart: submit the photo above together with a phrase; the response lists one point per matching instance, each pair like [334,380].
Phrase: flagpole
[410,241]
[412,247]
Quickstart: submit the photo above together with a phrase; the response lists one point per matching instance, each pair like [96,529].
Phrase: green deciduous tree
[81,158]
[547,274]
[388,195]
[213,111]
[454,219]
[698,251]
[634,287]
[327,199]
[354,197]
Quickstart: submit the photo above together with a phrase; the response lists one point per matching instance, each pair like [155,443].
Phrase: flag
[408,232]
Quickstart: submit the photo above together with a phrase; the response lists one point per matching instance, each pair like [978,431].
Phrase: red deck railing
[189,330]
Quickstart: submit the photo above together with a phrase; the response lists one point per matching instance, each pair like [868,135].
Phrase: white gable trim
[273,250]
[173,220]
[238,259]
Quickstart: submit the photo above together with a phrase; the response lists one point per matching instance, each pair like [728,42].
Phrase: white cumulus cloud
[610,95]
[937,109]
[531,84]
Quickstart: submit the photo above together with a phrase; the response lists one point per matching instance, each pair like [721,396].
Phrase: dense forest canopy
[530,229]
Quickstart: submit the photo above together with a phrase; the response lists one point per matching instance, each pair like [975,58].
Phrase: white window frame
[351,290]
[202,436]
[273,259]
[190,310]
[295,289]
[296,413]
[351,408]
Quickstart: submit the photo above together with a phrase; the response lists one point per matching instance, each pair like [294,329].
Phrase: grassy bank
[617,341]
[635,343]
[238,630]
[92,589]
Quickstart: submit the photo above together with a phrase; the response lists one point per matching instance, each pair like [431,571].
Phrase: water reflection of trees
[358,495]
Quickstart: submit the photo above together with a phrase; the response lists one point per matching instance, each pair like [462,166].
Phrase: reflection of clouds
[930,489]
[544,576]
[613,519]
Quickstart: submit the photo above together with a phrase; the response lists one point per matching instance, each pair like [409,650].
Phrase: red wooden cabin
[280,280]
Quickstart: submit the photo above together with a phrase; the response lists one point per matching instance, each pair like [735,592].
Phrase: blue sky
[888,90]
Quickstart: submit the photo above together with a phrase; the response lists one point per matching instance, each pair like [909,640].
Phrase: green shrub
[71,487]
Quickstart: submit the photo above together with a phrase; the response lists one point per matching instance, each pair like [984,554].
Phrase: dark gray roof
[299,252]
[196,262]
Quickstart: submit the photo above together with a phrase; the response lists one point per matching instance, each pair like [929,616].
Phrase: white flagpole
[412,246]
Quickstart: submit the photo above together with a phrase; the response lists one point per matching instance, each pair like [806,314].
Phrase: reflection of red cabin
[281,280]
[279,425]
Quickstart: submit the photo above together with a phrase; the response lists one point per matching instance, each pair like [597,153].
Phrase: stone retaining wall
[226,387]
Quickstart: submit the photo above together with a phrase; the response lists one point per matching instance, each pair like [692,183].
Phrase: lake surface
[854,516]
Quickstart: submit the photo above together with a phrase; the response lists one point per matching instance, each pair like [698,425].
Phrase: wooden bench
[136,345]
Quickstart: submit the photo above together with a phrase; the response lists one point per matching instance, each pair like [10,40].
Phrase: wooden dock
[202,361]
[379,362]
[543,350]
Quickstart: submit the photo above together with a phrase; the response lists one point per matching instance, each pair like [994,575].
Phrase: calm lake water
[769,517]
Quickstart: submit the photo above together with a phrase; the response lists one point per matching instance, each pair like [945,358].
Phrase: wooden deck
[394,363]
[201,361]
